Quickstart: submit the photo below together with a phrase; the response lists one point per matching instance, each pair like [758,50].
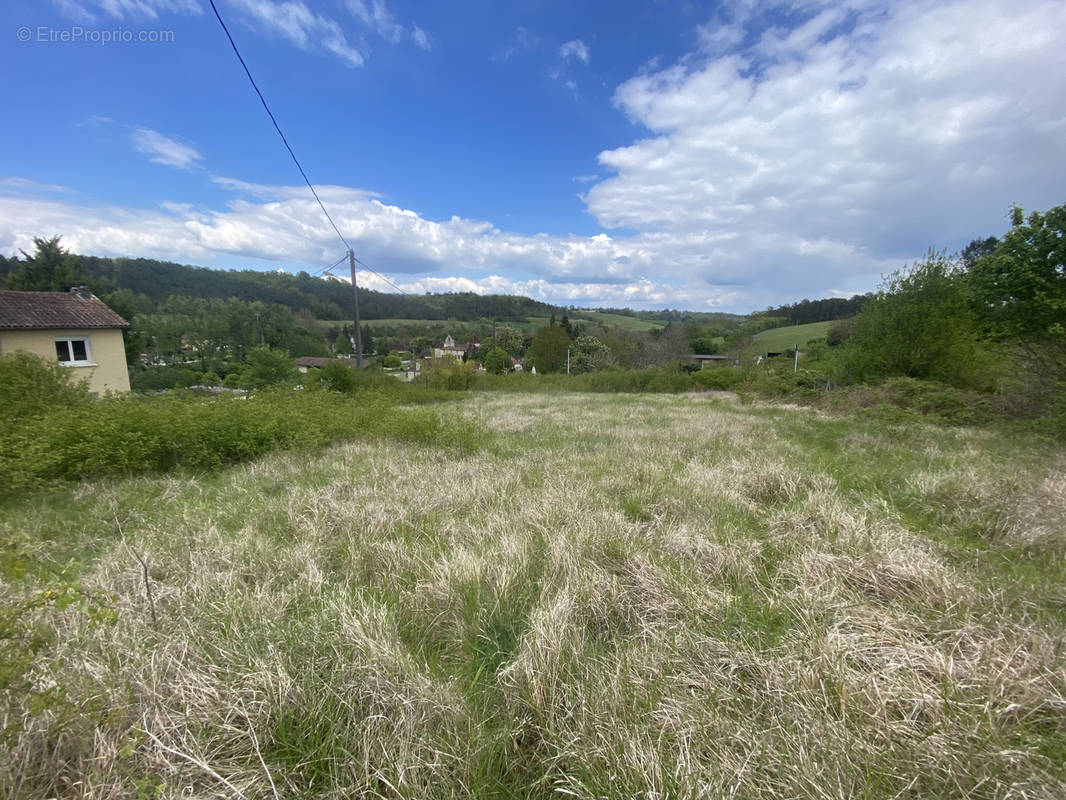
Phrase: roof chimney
[82,292]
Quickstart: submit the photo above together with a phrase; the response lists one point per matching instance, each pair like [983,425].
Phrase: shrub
[839,332]
[337,378]
[31,386]
[899,399]
[721,378]
[133,434]
[920,325]
[450,374]
[269,367]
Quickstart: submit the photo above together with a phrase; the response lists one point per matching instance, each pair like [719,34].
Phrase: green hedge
[131,434]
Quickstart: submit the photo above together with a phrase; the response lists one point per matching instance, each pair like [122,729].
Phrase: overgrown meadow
[532,595]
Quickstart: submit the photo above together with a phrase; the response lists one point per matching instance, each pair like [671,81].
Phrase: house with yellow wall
[74,328]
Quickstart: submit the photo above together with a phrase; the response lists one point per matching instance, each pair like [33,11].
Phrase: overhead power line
[390,283]
[296,161]
[277,127]
[324,270]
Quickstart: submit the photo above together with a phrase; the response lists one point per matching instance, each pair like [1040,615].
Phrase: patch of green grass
[778,340]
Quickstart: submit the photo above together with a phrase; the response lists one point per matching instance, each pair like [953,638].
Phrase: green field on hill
[529,325]
[778,340]
[597,318]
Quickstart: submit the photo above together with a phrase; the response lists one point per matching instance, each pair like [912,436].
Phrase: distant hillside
[324,298]
[329,299]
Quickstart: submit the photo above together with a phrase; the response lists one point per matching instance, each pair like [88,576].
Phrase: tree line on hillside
[325,299]
[824,310]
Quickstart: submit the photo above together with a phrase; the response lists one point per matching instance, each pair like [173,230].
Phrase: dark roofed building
[78,308]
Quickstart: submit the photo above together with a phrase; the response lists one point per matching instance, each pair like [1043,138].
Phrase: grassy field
[619,320]
[381,323]
[530,325]
[777,340]
[617,596]
[602,318]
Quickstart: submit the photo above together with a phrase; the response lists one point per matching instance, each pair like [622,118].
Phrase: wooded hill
[324,298]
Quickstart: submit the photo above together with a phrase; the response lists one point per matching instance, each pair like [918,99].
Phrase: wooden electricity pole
[358,330]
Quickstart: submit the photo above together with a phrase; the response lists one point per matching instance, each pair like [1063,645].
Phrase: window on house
[73,351]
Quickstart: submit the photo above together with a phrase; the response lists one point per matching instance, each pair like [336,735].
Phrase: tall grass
[617,596]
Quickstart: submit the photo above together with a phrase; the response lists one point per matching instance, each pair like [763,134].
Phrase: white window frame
[88,362]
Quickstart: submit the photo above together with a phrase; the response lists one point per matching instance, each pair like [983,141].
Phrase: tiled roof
[22,310]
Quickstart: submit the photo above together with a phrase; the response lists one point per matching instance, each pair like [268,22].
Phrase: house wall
[108,372]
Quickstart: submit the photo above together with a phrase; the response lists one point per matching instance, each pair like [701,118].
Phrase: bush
[30,386]
[269,367]
[337,378]
[721,378]
[921,325]
[907,398]
[134,434]
[839,332]
[450,374]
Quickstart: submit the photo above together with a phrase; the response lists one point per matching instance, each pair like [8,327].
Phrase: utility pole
[358,330]
[494,345]
[796,364]
[568,361]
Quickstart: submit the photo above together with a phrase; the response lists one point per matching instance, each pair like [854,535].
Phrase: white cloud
[378,18]
[284,225]
[78,10]
[855,138]
[806,164]
[74,10]
[293,20]
[24,185]
[421,38]
[524,41]
[95,121]
[574,49]
[164,150]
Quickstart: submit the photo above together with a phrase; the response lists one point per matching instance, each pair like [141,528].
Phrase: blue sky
[649,154]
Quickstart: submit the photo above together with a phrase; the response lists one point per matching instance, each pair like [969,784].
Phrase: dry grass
[622,597]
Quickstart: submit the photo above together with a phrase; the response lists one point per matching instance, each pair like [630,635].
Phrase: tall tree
[590,354]
[510,339]
[1020,287]
[976,250]
[494,360]
[51,268]
[548,351]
